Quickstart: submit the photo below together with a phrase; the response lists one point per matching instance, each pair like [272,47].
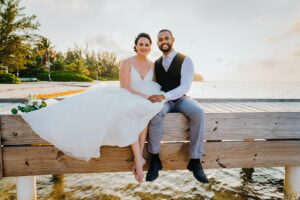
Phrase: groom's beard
[167,49]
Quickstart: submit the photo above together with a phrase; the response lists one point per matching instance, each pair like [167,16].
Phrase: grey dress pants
[194,113]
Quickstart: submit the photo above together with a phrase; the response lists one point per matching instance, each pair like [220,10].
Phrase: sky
[232,40]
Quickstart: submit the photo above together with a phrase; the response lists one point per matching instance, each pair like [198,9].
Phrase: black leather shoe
[155,166]
[196,167]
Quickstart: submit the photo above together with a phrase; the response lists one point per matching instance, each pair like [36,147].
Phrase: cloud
[291,32]
[295,28]
[123,6]
[283,64]
[290,60]
[66,6]
[284,67]
[288,56]
[104,41]
[109,42]
[219,60]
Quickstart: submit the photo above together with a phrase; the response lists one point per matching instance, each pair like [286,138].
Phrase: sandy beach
[22,90]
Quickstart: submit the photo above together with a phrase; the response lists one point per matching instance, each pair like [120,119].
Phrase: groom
[174,72]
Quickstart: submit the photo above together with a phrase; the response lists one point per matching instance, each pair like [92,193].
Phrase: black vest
[169,79]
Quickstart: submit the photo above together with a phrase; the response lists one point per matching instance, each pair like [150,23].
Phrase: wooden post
[26,188]
[58,186]
[292,183]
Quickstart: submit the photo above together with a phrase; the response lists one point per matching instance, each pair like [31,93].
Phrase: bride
[105,115]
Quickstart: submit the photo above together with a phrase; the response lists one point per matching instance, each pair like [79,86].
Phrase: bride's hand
[156,98]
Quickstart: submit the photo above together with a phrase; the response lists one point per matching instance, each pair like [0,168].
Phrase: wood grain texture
[218,126]
[1,158]
[16,131]
[256,125]
[21,161]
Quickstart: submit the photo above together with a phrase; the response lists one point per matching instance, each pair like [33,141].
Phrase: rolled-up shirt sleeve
[187,72]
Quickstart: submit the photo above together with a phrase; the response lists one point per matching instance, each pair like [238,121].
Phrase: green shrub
[64,77]
[9,78]
[107,79]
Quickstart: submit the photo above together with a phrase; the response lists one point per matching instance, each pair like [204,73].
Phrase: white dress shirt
[187,71]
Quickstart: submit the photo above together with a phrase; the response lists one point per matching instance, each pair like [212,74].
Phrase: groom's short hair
[166,30]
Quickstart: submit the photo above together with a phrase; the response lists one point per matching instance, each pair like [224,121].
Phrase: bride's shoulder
[126,63]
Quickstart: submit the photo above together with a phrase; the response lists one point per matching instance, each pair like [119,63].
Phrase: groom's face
[165,41]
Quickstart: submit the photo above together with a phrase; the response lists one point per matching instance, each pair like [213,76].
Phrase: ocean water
[233,89]
[231,184]
[236,90]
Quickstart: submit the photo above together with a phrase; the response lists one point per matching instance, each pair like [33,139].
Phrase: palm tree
[16,35]
[47,53]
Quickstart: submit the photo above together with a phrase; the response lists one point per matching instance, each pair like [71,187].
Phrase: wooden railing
[232,140]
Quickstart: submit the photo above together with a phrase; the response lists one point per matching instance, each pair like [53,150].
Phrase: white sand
[22,90]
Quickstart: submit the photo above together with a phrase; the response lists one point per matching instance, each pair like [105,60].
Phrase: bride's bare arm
[124,76]
[154,76]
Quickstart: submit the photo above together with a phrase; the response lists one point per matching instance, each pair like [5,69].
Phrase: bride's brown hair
[140,35]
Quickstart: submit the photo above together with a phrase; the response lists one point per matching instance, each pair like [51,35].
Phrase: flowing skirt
[81,124]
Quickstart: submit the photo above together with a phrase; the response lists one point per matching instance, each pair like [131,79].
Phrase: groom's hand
[156,98]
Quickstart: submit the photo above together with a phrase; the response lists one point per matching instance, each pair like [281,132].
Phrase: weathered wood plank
[20,161]
[215,107]
[224,107]
[272,107]
[218,126]
[237,126]
[251,105]
[294,106]
[1,160]
[16,131]
[242,108]
[206,108]
[228,107]
[286,106]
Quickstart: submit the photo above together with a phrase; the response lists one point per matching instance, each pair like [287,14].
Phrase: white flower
[30,103]
[33,101]
[38,102]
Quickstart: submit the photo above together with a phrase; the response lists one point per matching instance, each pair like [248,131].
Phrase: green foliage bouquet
[31,104]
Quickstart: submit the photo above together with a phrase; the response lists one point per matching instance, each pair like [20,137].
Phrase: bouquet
[31,104]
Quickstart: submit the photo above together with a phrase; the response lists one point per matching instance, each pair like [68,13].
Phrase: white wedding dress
[102,115]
